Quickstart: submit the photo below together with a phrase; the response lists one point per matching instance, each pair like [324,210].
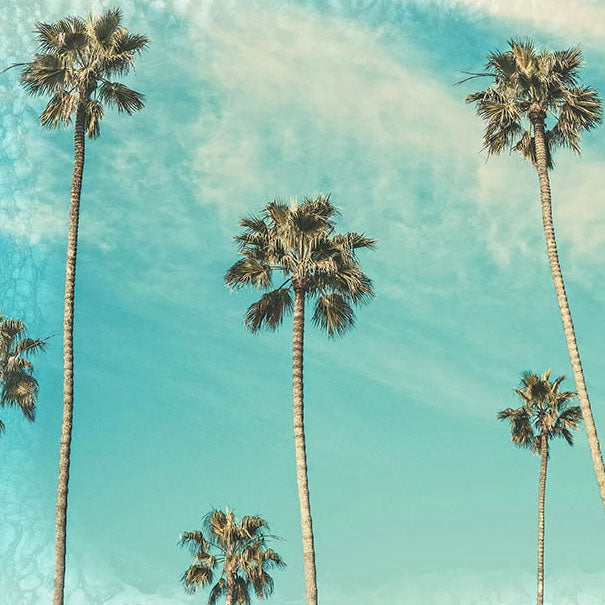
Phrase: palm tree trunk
[229,592]
[568,328]
[298,332]
[541,497]
[68,356]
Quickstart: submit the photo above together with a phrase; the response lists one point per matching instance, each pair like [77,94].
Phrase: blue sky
[417,494]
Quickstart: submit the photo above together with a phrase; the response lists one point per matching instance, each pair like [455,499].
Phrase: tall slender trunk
[568,328]
[298,333]
[68,355]
[541,497]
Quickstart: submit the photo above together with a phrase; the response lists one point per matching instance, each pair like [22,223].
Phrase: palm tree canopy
[76,62]
[545,410]
[298,241]
[529,84]
[19,387]
[239,548]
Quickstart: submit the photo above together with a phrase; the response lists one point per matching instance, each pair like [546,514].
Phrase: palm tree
[544,415]
[240,549]
[534,105]
[299,242]
[19,387]
[75,65]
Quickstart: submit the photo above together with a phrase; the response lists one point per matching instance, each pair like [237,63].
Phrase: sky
[418,496]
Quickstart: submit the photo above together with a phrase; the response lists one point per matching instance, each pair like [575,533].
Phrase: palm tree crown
[77,59]
[545,410]
[239,548]
[19,387]
[299,242]
[527,85]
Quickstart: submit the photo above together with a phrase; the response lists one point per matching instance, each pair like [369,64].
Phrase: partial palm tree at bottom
[543,416]
[238,549]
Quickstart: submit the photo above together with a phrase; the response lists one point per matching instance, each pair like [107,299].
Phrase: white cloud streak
[580,21]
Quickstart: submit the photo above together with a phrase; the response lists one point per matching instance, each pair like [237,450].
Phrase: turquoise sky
[418,496]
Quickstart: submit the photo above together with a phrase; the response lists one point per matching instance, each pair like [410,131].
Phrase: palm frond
[20,389]
[524,54]
[566,434]
[124,99]
[30,346]
[125,42]
[354,241]
[502,65]
[94,115]
[10,329]
[581,110]
[272,559]
[569,418]
[105,26]
[59,110]
[197,575]
[194,541]
[50,37]
[247,272]
[14,363]
[241,592]
[263,584]
[218,590]
[46,74]
[277,212]
[333,314]
[269,311]
[252,524]
[566,64]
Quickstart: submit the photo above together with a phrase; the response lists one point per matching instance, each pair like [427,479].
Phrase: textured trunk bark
[300,448]
[541,497]
[568,328]
[68,370]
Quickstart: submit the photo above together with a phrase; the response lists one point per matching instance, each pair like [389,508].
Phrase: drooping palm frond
[94,115]
[45,75]
[218,590]
[59,110]
[248,272]
[121,97]
[333,314]
[197,575]
[76,61]
[269,311]
[251,524]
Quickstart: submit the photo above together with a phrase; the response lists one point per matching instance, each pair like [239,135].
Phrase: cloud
[291,84]
[584,20]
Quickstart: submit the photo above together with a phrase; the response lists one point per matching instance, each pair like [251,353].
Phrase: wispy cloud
[584,20]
